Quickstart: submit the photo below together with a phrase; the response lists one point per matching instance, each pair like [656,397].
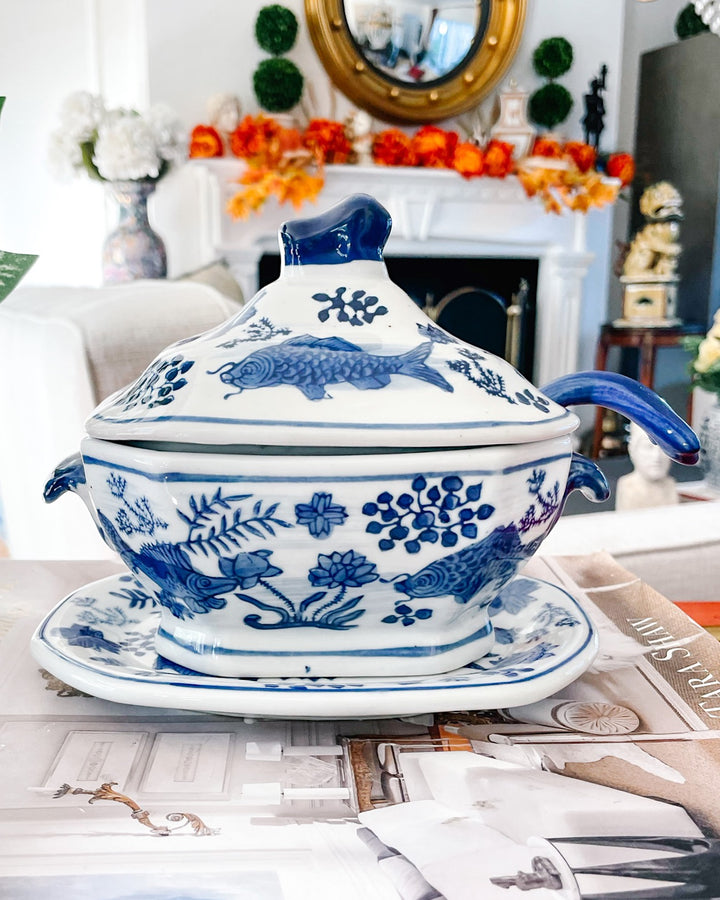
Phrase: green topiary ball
[550,105]
[278,84]
[276,28]
[689,23]
[553,57]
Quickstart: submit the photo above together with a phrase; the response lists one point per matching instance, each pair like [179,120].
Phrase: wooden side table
[646,340]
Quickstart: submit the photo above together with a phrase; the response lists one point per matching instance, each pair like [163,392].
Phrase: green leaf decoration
[688,23]
[553,57]
[276,29]
[13,267]
[87,149]
[278,84]
[550,105]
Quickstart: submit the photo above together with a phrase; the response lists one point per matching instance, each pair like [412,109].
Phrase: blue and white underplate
[101,639]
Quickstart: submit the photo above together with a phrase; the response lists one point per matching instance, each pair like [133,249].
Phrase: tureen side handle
[634,401]
[586,476]
[69,475]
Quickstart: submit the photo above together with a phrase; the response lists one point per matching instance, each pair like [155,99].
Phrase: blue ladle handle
[634,401]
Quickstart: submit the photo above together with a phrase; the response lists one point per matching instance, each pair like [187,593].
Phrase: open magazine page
[607,789]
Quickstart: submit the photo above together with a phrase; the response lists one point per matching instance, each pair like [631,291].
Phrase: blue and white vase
[133,250]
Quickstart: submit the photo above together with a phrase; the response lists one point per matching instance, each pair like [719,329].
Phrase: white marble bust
[224,112]
[649,484]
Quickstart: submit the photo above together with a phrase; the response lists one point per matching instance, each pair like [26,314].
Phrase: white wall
[49,48]
[183,51]
[45,51]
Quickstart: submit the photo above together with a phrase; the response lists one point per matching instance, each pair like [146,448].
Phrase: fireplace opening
[488,302]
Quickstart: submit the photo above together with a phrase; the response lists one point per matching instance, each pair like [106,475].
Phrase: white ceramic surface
[100,639]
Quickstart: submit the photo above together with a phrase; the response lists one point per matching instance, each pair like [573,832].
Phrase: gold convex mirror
[415,60]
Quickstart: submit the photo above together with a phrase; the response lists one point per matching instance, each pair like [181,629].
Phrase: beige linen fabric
[124,327]
[62,350]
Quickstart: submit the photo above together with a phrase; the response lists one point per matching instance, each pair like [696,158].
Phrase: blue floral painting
[320,515]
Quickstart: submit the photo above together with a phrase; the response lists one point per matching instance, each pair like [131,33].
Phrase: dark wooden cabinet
[678,140]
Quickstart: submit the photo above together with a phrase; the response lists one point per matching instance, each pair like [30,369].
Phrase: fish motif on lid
[311,363]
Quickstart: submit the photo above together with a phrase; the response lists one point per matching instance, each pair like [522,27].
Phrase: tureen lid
[332,354]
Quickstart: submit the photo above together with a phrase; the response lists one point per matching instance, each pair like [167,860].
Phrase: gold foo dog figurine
[649,268]
[654,249]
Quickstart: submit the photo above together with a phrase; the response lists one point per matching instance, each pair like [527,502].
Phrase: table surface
[237,777]
[31,588]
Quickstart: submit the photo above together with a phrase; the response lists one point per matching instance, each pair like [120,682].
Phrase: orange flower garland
[622,166]
[205,143]
[571,180]
[261,139]
[277,165]
[546,147]
[328,141]
[434,148]
[583,155]
[569,187]
[499,160]
[288,164]
[469,160]
[393,147]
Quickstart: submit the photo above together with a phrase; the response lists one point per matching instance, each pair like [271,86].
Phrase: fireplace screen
[488,302]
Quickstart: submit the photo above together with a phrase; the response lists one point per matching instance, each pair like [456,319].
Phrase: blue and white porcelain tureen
[328,484]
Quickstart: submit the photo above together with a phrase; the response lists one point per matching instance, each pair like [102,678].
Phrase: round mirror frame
[388,99]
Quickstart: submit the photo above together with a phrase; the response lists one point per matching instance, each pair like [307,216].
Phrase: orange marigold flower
[253,136]
[327,139]
[393,147]
[546,147]
[434,147]
[205,143]
[583,155]
[499,159]
[469,160]
[622,166]
[288,143]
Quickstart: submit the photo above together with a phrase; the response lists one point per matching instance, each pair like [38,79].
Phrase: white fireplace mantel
[435,212]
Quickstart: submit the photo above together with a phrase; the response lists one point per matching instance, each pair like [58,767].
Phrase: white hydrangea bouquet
[115,144]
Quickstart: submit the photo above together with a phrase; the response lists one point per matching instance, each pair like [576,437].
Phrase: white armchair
[674,549]
[62,350]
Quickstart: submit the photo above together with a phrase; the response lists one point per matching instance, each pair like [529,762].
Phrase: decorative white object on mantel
[435,212]
[512,125]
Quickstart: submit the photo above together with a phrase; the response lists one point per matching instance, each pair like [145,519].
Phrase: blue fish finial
[356,228]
